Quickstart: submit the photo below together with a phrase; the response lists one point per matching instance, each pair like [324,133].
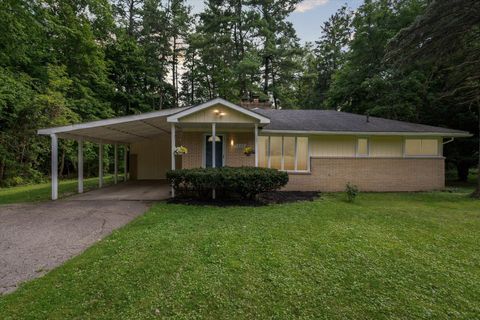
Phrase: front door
[218,151]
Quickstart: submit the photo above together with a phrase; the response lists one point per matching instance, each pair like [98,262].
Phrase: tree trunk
[476,193]
[130,17]
[174,72]
[2,169]
[192,79]
[267,73]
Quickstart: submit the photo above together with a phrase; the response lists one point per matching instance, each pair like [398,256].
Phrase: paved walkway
[37,237]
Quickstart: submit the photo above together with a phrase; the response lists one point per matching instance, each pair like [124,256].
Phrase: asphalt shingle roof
[331,120]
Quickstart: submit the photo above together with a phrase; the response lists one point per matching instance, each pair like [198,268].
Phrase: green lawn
[42,191]
[391,255]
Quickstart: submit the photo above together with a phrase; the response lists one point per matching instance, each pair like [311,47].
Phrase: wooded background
[67,61]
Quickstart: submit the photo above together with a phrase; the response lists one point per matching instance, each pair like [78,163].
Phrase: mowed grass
[42,191]
[386,256]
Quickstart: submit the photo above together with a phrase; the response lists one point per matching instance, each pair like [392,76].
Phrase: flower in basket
[248,151]
[179,151]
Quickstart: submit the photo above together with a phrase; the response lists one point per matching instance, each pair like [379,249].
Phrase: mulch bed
[275,197]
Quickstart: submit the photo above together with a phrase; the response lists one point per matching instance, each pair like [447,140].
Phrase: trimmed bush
[244,181]
[351,191]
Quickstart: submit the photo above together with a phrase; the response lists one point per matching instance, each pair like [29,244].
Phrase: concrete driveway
[37,237]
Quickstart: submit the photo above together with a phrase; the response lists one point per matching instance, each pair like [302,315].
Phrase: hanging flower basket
[180,151]
[248,151]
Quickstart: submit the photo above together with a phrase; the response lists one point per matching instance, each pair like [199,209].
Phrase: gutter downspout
[448,141]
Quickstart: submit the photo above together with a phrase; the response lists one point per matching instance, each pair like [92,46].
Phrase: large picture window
[283,153]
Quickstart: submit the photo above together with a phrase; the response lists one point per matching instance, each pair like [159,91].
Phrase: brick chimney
[255,102]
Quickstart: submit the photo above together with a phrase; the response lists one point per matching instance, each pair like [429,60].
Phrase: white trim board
[174,118]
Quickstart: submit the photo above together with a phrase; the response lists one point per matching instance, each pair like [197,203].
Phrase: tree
[178,17]
[364,82]
[448,35]
[331,48]
[279,44]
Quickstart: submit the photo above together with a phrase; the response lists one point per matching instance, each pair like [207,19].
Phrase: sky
[307,17]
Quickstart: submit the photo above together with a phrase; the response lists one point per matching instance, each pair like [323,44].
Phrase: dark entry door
[218,151]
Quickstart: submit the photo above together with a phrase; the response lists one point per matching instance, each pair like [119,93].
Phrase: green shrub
[352,192]
[244,181]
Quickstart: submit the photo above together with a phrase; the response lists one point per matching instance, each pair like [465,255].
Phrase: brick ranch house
[320,149]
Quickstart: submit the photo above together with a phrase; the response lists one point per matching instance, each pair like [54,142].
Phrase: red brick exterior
[371,174]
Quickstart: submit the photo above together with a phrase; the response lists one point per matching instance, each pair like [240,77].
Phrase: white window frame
[357,153]
[282,166]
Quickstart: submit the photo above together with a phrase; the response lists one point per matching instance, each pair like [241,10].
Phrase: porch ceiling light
[216,111]
[217,139]
[222,114]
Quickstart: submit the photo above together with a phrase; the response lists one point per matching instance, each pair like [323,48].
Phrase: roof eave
[106,122]
[372,133]
[174,118]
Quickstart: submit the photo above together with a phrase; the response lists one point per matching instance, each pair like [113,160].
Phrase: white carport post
[256,145]
[214,133]
[172,142]
[100,165]
[115,164]
[80,165]
[54,138]
[214,136]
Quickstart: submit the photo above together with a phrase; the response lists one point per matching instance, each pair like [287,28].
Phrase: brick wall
[234,156]
[194,143]
[371,174]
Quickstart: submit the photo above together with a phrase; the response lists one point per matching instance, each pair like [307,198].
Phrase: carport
[119,132]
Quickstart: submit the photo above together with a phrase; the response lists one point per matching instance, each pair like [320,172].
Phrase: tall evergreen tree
[279,42]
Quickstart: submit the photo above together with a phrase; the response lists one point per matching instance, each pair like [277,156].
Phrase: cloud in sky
[307,5]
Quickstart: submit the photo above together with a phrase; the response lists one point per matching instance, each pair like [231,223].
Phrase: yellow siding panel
[153,157]
[212,114]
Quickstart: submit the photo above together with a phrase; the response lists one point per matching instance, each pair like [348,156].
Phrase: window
[288,153]
[362,147]
[262,151]
[421,147]
[302,154]
[283,153]
[276,152]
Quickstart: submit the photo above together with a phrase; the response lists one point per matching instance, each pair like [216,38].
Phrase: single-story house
[320,149]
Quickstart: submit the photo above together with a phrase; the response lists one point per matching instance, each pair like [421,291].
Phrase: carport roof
[132,128]
[125,129]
